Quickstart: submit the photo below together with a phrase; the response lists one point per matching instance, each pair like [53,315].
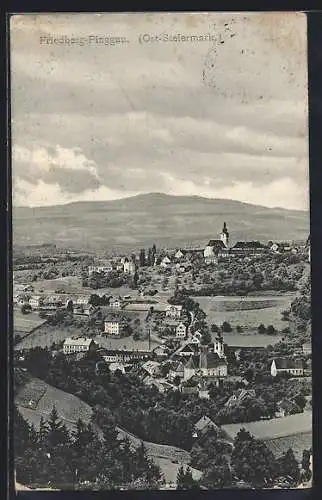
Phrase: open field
[255,340]
[246,311]
[274,428]
[26,323]
[36,399]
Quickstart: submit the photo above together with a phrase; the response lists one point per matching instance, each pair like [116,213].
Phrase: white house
[100,269]
[173,311]
[129,267]
[287,365]
[36,301]
[82,300]
[113,327]
[115,303]
[80,344]
[181,331]
[165,262]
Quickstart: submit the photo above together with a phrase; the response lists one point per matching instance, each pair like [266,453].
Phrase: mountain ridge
[144,219]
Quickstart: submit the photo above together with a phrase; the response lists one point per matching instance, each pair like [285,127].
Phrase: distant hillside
[166,220]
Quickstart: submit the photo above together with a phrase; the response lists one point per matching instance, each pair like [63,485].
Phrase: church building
[215,247]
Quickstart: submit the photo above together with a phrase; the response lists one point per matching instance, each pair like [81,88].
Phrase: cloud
[68,168]
[226,119]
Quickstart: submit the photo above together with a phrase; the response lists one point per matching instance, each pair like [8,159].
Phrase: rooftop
[288,363]
[82,341]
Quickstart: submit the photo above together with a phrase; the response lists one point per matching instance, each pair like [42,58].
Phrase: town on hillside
[165,368]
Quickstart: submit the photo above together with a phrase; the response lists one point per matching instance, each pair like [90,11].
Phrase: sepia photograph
[161,263]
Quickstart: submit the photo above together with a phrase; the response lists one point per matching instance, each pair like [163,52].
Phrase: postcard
[161,251]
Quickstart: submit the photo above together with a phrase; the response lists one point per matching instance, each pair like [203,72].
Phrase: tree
[252,461]
[214,328]
[206,338]
[300,400]
[262,329]
[185,480]
[226,327]
[306,465]
[270,330]
[288,467]
[25,309]
[142,258]
[57,432]
[218,474]
[239,329]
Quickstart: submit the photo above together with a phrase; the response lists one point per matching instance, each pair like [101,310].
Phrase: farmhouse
[240,396]
[176,370]
[287,365]
[173,311]
[204,424]
[79,344]
[186,350]
[286,407]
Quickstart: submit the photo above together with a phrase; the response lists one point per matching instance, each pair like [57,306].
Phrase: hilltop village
[187,351]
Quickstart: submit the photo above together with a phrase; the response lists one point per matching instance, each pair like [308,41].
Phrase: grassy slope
[36,399]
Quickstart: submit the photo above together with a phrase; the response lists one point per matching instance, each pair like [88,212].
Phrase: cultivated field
[247,312]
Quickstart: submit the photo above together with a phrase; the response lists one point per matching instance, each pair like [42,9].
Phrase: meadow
[247,312]
[36,399]
[24,324]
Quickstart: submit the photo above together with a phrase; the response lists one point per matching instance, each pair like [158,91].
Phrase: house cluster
[221,249]
[127,265]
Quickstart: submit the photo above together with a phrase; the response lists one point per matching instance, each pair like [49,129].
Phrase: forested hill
[166,220]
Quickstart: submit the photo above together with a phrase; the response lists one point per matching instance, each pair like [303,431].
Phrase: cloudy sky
[225,118]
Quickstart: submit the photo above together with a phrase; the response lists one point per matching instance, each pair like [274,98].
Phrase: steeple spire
[225,235]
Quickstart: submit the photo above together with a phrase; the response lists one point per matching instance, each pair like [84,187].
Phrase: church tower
[224,236]
[219,346]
